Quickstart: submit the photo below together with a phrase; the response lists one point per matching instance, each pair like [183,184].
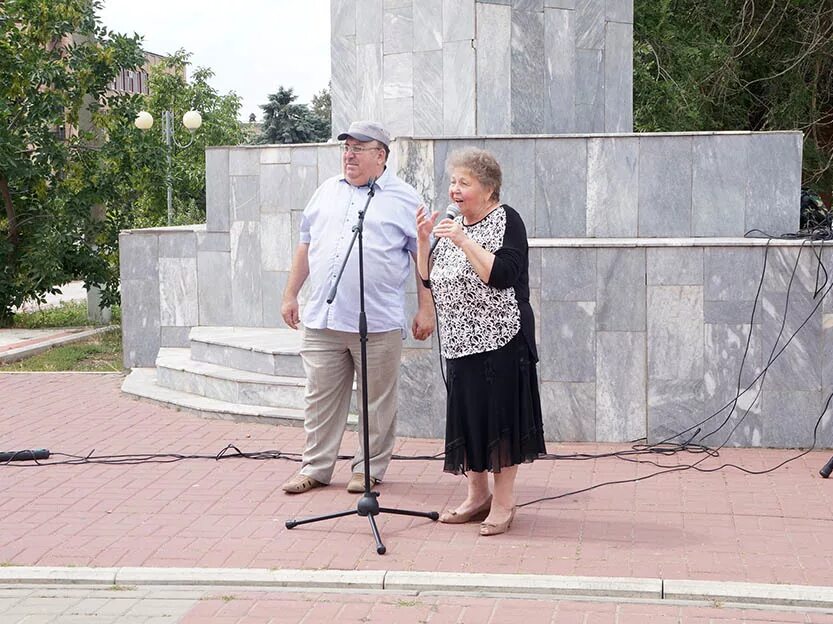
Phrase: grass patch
[101,353]
[68,314]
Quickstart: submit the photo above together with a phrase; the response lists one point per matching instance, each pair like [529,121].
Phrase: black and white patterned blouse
[474,316]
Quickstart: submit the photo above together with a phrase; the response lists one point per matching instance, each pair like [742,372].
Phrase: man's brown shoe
[301,483]
[356,485]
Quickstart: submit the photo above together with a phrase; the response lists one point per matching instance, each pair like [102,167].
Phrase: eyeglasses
[357,149]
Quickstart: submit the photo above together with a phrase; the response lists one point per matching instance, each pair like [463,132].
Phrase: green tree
[285,121]
[130,170]
[56,62]
[322,107]
[738,65]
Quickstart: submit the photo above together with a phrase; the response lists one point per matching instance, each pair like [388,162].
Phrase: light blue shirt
[389,238]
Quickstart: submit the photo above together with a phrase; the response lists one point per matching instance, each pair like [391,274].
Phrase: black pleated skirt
[493,413]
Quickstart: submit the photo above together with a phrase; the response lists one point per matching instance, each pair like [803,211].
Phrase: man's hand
[424,324]
[289,312]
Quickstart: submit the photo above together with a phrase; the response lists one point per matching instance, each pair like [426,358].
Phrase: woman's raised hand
[425,223]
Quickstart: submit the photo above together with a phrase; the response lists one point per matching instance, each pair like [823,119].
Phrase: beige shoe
[356,485]
[490,528]
[301,483]
[475,515]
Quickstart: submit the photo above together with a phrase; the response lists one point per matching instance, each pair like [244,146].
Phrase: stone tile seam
[430,582]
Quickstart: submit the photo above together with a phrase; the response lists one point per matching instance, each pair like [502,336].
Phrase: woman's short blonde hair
[482,165]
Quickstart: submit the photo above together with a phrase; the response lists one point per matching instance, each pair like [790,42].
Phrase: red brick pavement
[725,525]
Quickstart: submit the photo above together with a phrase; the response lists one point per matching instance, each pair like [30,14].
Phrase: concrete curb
[760,594]
[14,355]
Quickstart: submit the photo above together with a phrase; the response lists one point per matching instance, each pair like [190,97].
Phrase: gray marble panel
[503,2]
[568,411]
[620,290]
[773,188]
[527,72]
[274,283]
[731,394]
[612,187]
[303,182]
[344,81]
[669,266]
[296,216]
[140,321]
[174,337]
[398,117]
[399,29]
[790,417]
[370,21]
[329,162]
[305,156]
[618,77]
[621,409]
[718,185]
[528,5]
[515,156]
[246,287]
[138,256]
[791,330]
[274,190]
[214,288]
[428,100]
[182,244]
[665,186]
[560,4]
[343,17]
[590,24]
[535,262]
[590,100]
[213,241]
[732,274]
[244,161]
[274,155]
[442,149]
[568,275]
[458,20]
[398,75]
[568,347]
[416,167]
[675,332]
[675,407]
[276,242]
[619,11]
[560,71]
[421,409]
[560,188]
[459,75]
[178,291]
[245,204]
[494,54]
[730,312]
[827,354]
[217,216]
[428,34]
[370,96]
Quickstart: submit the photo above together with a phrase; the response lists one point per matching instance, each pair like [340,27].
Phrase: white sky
[253,46]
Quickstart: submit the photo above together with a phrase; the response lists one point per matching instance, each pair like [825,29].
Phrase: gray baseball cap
[366,131]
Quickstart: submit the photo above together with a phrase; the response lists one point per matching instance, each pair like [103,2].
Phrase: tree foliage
[56,62]
[738,65]
[285,121]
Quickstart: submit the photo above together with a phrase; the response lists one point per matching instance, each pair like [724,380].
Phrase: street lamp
[192,120]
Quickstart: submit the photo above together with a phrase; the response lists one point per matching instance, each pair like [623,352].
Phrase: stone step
[270,351]
[175,369]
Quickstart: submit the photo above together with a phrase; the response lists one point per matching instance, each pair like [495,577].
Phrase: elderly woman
[479,275]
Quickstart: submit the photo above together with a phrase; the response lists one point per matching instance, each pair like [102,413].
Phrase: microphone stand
[368,504]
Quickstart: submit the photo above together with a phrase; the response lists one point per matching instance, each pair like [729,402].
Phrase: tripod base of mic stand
[368,505]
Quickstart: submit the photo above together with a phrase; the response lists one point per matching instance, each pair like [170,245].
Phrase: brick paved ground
[725,525]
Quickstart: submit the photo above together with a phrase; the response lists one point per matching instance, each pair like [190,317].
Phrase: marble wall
[483,67]
[633,185]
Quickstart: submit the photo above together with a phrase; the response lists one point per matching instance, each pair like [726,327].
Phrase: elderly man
[331,348]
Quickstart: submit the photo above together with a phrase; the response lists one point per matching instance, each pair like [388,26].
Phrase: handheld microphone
[827,469]
[450,213]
